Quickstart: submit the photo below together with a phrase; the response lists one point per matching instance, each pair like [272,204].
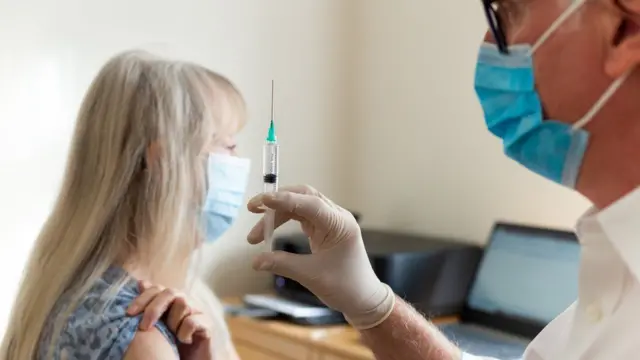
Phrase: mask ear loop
[556,24]
[601,102]
[612,88]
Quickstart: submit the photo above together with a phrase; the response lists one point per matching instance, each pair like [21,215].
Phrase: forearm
[407,335]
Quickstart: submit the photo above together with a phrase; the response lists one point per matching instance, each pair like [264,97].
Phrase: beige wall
[51,50]
[422,158]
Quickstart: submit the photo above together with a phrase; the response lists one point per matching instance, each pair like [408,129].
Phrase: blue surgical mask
[227,178]
[505,85]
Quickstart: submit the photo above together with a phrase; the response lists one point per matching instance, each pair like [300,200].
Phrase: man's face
[597,44]
[570,65]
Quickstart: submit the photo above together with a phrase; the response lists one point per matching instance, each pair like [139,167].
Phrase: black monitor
[527,277]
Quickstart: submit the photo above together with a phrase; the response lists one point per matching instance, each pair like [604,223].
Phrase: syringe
[270,174]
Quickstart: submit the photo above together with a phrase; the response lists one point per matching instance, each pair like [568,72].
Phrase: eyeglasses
[495,25]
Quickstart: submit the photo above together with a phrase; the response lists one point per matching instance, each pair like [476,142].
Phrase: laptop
[527,277]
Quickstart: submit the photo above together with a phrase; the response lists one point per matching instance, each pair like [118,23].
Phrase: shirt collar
[619,224]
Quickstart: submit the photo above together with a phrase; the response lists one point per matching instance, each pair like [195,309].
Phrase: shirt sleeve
[105,334]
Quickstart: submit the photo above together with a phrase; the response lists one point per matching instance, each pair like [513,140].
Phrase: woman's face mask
[227,178]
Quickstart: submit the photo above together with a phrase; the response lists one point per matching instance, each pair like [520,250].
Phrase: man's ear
[625,54]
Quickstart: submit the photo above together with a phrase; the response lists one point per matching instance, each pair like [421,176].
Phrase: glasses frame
[495,25]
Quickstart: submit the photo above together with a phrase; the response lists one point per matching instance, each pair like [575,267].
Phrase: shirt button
[594,313]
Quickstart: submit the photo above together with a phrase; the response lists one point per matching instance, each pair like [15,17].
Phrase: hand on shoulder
[191,327]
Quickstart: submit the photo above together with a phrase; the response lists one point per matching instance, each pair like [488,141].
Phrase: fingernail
[144,285]
[256,200]
[265,264]
[132,309]
[253,234]
[252,202]
[185,340]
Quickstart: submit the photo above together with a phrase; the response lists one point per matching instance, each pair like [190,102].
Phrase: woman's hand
[191,327]
[338,270]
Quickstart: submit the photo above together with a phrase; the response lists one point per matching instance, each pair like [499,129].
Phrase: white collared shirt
[604,323]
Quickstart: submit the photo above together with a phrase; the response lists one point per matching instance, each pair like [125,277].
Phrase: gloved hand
[338,270]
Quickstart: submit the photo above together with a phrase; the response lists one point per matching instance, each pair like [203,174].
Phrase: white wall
[424,161]
[51,50]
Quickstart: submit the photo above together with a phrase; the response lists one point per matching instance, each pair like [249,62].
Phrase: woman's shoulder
[99,327]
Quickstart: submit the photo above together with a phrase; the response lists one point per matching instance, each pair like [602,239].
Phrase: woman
[151,176]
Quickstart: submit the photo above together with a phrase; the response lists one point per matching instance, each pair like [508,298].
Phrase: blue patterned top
[96,332]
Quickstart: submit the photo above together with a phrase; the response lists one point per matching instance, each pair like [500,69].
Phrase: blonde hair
[207,301]
[133,186]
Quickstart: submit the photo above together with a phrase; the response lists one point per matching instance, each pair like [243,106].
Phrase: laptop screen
[527,273]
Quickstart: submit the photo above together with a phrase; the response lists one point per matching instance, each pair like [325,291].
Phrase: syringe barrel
[270,163]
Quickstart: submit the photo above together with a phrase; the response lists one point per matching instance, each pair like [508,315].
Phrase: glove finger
[292,266]
[256,203]
[256,235]
[309,207]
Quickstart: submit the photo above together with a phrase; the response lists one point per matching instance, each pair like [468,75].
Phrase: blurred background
[374,107]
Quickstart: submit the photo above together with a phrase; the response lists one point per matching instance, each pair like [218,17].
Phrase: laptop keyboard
[484,342]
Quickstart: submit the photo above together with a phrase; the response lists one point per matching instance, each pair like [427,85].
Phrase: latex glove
[338,270]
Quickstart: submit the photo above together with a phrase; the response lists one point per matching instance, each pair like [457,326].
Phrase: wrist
[379,306]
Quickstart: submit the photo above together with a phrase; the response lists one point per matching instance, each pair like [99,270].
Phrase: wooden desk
[277,340]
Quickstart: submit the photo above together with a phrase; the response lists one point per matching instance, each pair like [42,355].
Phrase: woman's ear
[152,154]
[625,54]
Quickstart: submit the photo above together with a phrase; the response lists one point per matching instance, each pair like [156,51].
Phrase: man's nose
[488,37]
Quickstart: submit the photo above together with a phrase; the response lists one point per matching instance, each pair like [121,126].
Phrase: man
[557,84]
